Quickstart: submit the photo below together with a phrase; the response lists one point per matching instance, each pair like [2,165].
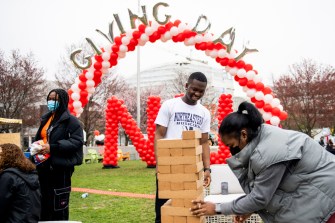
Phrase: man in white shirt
[182,114]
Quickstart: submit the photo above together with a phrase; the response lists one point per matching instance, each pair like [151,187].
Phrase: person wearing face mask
[286,175]
[62,135]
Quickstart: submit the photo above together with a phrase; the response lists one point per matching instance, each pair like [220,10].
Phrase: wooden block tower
[180,176]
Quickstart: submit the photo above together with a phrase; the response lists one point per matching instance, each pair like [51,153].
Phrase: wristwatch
[209,169]
[218,208]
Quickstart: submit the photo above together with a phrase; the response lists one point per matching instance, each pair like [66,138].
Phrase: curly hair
[12,156]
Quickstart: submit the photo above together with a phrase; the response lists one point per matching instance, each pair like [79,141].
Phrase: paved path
[119,194]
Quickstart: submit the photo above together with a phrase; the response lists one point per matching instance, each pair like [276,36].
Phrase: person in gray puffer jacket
[286,175]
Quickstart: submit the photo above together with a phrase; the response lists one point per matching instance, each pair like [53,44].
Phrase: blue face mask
[53,105]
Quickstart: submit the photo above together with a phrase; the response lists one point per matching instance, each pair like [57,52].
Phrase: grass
[133,176]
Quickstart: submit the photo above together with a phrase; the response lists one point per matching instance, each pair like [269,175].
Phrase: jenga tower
[180,177]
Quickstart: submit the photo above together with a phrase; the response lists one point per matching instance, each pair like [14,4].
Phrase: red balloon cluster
[153,106]
[117,112]
[224,108]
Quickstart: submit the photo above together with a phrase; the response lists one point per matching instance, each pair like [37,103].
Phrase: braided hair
[63,100]
[247,116]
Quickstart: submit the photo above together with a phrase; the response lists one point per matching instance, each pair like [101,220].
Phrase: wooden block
[190,143]
[177,202]
[193,185]
[196,134]
[177,160]
[192,194]
[166,219]
[164,185]
[188,203]
[193,168]
[163,152]
[177,169]
[179,219]
[164,169]
[169,143]
[176,152]
[177,186]
[192,151]
[168,210]
[179,177]
[194,219]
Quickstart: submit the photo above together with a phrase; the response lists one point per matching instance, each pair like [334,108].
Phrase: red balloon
[275,112]
[253,100]
[243,81]
[267,90]
[259,104]
[97,65]
[259,86]
[240,64]
[224,61]
[267,108]
[136,34]
[82,85]
[283,115]
[251,84]
[248,67]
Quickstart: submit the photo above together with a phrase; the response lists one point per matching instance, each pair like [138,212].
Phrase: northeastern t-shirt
[178,116]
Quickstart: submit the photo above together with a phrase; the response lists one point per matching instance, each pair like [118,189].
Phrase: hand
[207,178]
[241,218]
[200,208]
[45,149]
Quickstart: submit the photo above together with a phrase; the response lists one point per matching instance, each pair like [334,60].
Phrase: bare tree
[307,93]
[93,116]
[21,87]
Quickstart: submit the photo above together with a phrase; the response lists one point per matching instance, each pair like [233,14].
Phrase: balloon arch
[176,31]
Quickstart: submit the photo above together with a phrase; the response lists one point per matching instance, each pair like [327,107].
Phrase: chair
[91,156]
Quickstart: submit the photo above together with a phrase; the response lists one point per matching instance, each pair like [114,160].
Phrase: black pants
[158,204]
[55,188]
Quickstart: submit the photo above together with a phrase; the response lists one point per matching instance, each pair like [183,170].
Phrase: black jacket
[20,197]
[66,140]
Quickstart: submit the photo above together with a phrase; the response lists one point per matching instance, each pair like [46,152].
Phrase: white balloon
[104,70]
[261,111]
[241,73]
[233,54]
[257,79]
[233,71]
[208,37]
[141,43]
[281,108]
[77,104]
[76,80]
[108,48]
[149,30]
[75,88]
[91,90]
[207,52]
[227,68]
[78,111]
[167,35]
[182,27]
[251,93]
[191,41]
[259,95]
[174,31]
[267,116]
[275,121]
[250,75]
[222,53]
[125,40]
[144,38]
[121,55]
[163,39]
[123,48]
[105,64]
[89,75]
[154,25]
[129,33]
[245,88]
[275,102]
[75,96]
[268,98]
[198,38]
[105,56]
[90,83]
[213,53]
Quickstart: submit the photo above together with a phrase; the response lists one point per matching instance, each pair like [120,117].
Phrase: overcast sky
[283,31]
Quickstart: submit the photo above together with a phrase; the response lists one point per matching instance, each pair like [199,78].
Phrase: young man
[183,114]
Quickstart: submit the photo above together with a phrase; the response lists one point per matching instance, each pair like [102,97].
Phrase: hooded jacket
[66,140]
[20,197]
[306,192]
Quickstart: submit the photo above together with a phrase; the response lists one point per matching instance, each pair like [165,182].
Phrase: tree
[307,94]
[93,116]
[22,86]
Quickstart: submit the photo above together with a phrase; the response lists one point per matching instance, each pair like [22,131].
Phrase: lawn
[133,176]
